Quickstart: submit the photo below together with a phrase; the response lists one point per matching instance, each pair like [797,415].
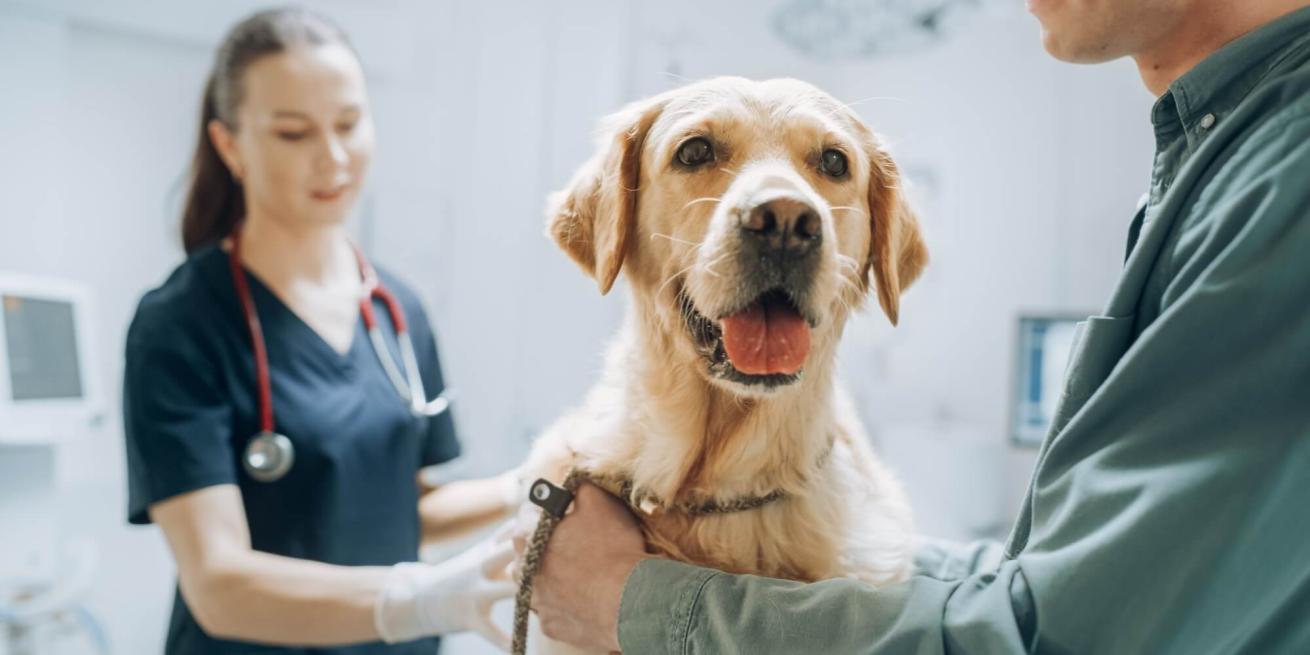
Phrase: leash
[554,502]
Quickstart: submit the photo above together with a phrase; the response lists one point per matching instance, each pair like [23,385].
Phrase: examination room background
[1026,172]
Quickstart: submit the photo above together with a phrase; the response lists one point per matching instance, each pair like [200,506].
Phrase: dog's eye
[833,163]
[695,152]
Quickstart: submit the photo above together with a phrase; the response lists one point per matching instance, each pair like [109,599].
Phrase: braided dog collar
[649,503]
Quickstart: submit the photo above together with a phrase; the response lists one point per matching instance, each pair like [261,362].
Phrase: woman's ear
[594,217]
[225,144]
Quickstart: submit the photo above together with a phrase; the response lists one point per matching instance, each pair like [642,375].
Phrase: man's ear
[897,253]
[594,217]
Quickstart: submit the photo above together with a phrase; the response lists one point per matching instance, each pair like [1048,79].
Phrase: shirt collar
[1203,95]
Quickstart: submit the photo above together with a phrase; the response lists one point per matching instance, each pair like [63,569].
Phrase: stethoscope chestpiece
[268,457]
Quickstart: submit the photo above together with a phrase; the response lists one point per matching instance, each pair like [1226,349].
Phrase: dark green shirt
[1169,511]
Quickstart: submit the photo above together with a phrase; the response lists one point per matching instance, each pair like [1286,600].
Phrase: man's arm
[950,560]
[669,607]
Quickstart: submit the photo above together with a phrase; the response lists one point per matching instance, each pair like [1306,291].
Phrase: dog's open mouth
[765,342]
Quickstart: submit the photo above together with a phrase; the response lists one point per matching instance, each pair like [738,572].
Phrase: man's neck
[1209,26]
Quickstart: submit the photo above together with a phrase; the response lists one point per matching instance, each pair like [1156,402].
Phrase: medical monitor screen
[41,344]
[1042,354]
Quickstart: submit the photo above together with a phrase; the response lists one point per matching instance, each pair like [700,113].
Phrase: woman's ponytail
[214,201]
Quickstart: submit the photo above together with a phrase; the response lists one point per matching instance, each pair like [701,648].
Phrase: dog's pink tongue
[764,339]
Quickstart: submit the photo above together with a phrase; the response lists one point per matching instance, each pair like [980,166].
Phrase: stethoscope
[268,455]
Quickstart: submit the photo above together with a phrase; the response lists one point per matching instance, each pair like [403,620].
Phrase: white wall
[1026,172]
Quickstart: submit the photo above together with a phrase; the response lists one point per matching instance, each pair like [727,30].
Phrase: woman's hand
[419,599]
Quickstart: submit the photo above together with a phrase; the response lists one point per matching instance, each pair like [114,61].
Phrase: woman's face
[304,138]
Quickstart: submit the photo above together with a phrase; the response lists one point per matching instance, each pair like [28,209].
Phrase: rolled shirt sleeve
[949,560]
[669,607]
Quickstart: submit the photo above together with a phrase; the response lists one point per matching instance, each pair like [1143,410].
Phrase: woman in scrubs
[319,558]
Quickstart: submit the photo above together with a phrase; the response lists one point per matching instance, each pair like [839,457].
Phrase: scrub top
[190,406]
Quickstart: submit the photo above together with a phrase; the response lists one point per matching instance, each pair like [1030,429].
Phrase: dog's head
[750,217]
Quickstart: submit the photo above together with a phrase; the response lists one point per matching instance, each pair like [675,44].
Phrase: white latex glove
[421,600]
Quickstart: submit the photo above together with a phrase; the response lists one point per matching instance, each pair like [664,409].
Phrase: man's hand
[576,593]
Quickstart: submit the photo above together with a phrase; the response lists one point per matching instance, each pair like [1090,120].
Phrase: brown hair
[214,200]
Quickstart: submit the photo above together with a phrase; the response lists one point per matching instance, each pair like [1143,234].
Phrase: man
[1168,508]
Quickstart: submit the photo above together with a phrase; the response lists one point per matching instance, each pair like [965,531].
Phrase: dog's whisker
[848,290]
[709,266]
[850,284]
[673,277]
[700,200]
[673,239]
[861,101]
[709,270]
[849,208]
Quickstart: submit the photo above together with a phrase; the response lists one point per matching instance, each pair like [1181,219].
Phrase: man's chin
[1072,51]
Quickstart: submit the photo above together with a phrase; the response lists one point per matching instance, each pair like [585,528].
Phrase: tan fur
[657,416]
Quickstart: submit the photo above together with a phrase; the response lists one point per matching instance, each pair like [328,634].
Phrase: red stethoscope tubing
[375,290]
[256,335]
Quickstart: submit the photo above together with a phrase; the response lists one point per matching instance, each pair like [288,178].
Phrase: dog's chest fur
[841,513]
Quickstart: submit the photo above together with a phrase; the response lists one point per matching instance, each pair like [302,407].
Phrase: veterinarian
[1167,512]
[272,436]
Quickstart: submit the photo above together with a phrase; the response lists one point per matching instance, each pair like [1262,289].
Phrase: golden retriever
[750,219]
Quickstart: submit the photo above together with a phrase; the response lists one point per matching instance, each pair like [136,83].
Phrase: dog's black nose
[784,226]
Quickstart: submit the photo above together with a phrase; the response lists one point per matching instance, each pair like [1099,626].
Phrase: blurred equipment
[854,29]
[46,389]
[1041,355]
[41,607]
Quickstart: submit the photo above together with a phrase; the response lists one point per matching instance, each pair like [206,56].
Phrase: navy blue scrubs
[190,406]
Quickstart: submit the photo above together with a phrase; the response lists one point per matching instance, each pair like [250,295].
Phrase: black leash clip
[554,499]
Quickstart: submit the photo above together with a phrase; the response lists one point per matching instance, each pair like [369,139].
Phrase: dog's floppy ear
[897,253]
[594,217]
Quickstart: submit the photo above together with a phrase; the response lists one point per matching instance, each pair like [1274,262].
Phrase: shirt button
[1207,121]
